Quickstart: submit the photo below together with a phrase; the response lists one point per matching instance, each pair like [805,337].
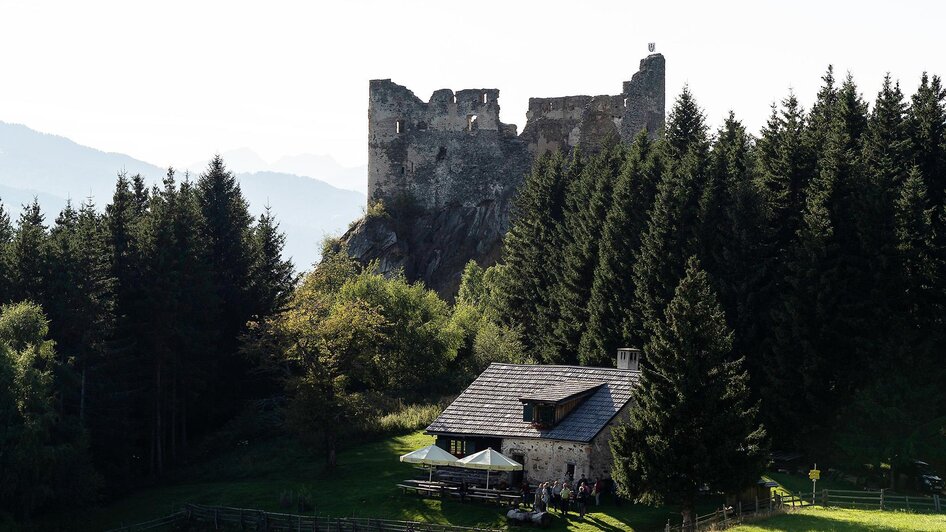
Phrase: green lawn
[254,476]
[820,519]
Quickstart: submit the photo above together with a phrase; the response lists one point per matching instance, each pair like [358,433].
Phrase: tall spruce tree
[531,251]
[821,325]
[227,233]
[612,289]
[28,260]
[927,128]
[273,276]
[733,239]
[693,424]
[587,203]
[673,227]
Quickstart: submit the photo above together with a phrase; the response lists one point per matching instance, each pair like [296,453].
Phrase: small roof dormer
[545,407]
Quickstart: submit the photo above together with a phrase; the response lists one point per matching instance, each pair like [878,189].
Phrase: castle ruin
[457,165]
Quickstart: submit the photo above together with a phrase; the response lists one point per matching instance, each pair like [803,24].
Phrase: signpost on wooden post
[814,475]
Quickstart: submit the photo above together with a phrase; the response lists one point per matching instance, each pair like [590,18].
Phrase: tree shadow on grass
[608,527]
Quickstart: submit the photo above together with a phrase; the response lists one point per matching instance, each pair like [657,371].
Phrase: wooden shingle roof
[491,405]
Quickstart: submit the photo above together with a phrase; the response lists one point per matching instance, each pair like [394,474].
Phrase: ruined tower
[446,169]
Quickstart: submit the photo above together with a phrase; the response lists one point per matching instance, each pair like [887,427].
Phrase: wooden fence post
[881,498]
[936,502]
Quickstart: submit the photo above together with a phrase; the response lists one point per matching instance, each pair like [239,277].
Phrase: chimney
[629,358]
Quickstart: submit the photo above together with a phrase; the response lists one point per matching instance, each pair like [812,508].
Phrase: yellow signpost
[814,475]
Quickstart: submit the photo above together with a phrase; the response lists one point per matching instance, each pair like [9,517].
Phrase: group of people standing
[565,496]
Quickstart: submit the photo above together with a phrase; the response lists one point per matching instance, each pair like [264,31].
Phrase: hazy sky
[172,82]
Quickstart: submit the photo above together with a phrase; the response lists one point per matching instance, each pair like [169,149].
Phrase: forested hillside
[823,238]
[803,270]
[124,350]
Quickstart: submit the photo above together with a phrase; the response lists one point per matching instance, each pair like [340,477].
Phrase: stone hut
[555,420]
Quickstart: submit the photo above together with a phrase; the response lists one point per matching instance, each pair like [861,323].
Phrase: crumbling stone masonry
[446,169]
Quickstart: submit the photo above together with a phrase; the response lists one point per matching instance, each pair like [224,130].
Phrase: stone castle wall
[446,169]
[454,151]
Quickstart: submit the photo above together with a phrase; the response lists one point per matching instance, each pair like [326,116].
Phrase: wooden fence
[728,516]
[219,517]
[880,500]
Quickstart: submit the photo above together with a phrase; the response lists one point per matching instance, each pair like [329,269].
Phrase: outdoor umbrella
[489,460]
[430,456]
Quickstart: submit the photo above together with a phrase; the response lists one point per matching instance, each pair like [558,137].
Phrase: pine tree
[733,238]
[822,323]
[821,119]
[227,234]
[927,128]
[612,289]
[587,203]
[531,250]
[693,424]
[6,238]
[273,276]
[673,226]
[28,263]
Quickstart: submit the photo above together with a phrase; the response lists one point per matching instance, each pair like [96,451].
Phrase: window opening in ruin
[399,126]
[470,122]
[454,98]
[550,106]
[441,153]
[485,98]
[402,170]
[625,102]
[422,126]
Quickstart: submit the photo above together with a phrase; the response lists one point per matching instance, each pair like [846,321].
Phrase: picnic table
[428,488]
[501,497]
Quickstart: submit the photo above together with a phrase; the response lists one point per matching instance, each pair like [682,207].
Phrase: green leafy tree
[43,453]
[693,424]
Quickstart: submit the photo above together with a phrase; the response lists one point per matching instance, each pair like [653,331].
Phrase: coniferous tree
[733,240]
[693,424]
[531,251]
[587,203]
[819,350]
[673,227]
[227,233]
[6,238]
[28,264]
[927,129]
[612,289]
[273,276]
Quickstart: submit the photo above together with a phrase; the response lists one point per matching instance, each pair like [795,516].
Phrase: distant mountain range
[53,168]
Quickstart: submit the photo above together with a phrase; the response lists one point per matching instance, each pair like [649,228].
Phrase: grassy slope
[841,520]
[364,484]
